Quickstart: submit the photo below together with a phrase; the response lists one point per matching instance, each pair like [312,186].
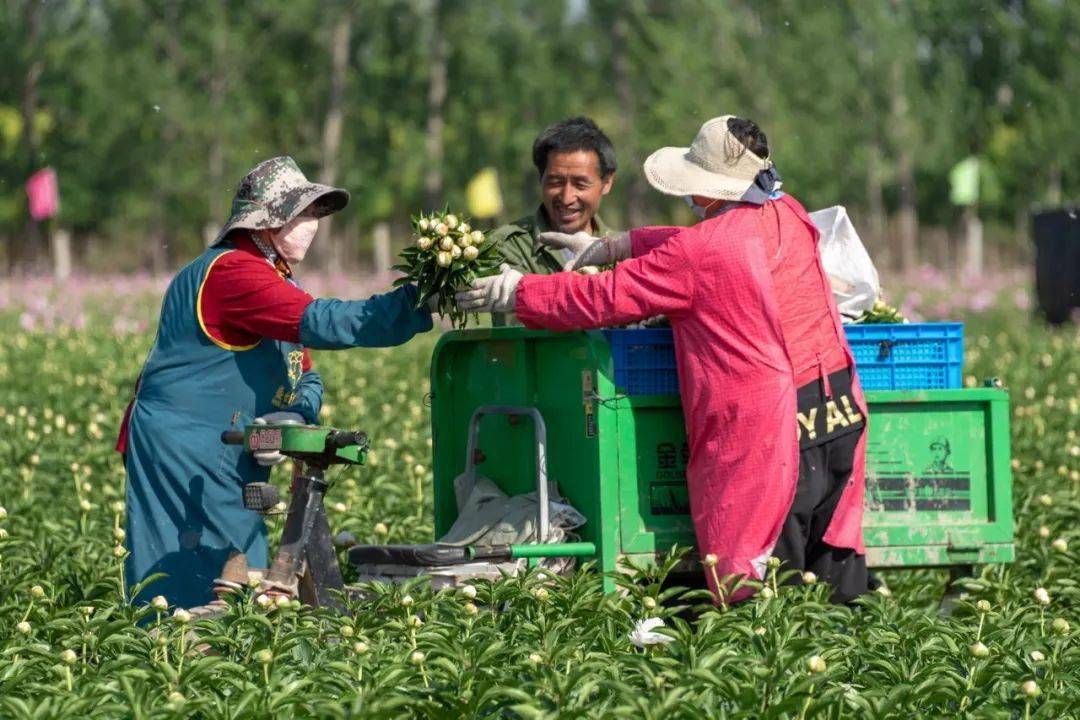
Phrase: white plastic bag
[852,274]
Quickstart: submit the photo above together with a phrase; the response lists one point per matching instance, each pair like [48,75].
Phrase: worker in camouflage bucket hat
[232,349]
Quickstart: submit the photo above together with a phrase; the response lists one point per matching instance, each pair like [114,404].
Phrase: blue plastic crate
[910,356]
[913,356]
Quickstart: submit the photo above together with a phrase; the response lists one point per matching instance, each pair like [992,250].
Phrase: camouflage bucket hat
[274,193]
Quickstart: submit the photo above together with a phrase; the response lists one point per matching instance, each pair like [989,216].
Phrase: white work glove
[492,294]
[269,458]
[588,250]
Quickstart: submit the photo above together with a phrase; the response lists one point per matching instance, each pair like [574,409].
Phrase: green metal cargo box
[938,466]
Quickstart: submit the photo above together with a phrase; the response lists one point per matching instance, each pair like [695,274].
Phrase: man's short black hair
[576,133]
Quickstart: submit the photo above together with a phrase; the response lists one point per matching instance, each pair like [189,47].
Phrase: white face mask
[700,212]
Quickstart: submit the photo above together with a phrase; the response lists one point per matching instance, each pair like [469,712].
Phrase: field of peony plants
[72,646]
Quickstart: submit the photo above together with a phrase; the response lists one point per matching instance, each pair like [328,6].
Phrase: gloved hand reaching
[588,250]
[268,458]
[495,293]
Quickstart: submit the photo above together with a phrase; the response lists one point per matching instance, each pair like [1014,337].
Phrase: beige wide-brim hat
[274,193]
[716,165]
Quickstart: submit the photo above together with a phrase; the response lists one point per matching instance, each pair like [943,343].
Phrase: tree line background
[151,110]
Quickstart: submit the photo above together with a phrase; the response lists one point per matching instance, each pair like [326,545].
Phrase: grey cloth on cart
[488,516]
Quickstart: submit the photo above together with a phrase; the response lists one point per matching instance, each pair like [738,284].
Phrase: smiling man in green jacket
[576,163]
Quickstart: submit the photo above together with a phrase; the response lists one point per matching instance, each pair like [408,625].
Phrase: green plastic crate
[938,487]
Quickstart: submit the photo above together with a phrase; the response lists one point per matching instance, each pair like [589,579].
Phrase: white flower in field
[1041,596]
[424,242]
[181,616]
[766,593]
[468,591]
[816,664]
[1061,545]
[470,253]
[643,636]
[87,488]
[809,578]
[536,658]
[416,658]
[709,561]
[443,259]
[477,237]
[759,630]
[87,610]
[1046,500]
[85,505]
[447,244]
[1044,532]
[983,606]
[264,656]
[648,602]
[339,507]
[441,229]
[423,224]
[23,627]
[470,609]
[381,529]
[159,603]
[406,601]
[37,592]
[1036,656]
[3,513]
[464,228]
[1075,451]
[1030,688]
[451,221]
[1060,626]
[3,534]
[979,650]
[68,657]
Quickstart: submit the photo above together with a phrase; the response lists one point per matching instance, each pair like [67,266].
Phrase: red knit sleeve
[243,299]
[658,283]
[643,240]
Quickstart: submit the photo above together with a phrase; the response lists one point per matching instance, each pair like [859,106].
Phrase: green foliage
[532,646]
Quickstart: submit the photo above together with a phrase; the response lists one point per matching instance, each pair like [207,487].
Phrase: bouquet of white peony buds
[446,255]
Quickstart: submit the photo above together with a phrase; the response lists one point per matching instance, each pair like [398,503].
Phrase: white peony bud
[648,602]
[360,647]
[407,601]
[423,224]
[1060,626]
[767,593]
[1030,688]
[477,237]
[1061,545]
[264,656]
[447,244]
[3,513]
[536,658]
[37,592]
[470,609]
[816,664]
[416,658]
[181,616]
[1036,656]
[809,578]
[264,601]
[381,529]
[455,252]
[979,650]
[464,228]
[1044,532]
[159,603]
[23,627]
[119,534]
[468,591]
[470,253]
[444,259]
[1041,596]
[441,229]
[709,560]
[69,657]
[983,606]
[451,221]
[424,242]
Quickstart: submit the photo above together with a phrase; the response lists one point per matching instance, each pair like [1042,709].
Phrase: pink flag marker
[43,194]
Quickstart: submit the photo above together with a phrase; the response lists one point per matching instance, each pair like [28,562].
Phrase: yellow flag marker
[482,194]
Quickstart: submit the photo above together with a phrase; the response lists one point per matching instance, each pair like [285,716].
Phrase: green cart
[939,486]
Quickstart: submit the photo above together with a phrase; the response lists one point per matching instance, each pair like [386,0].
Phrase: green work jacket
[518,244]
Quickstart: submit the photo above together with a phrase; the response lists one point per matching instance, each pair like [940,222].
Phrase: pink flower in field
[1021,299]
[27,322]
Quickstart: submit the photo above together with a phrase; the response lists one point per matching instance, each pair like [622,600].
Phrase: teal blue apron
[185,512]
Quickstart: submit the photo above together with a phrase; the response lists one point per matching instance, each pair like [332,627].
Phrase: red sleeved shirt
[244,299]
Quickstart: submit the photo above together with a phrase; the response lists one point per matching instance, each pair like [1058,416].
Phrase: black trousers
[824,471]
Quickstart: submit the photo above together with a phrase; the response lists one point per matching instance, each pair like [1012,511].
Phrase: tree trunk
[907,214]
[30,250]
[875,203]
[329,253]
[218,88]
[433,178]
[624,91]
[60,246]
[381,255]
[973,243]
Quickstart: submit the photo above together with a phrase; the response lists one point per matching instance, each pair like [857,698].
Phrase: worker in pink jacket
[774,413]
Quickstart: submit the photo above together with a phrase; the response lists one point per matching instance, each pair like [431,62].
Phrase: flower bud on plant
[767,593]
[774,563]
[468,591]
[444,259]
[118,507]
[347,631]
[176,698]
[1060,626]
[381,529]
[1046,500]
[470,609]
[85,505]
[1061,545]
[455,252]
[87,610]
[423,224]
[470,253]
[3,513]
[264,656]
[119,534]
[451,221]
[68,657]
[360,647]
[1030,688]
[983,606]
[264,601]
[759,631]
[477,237]
[709,561]
[37,592]
[441,230]
[159,603]
[809,578]
[407,601]
[1044,532]
[536,658]
[979,650]
[1036,656]
[181,616]
[1041,596]
[118,551]
[540,594]
[416,658]
[424,242]
[648,602]
[415,621]
[816,664]
[464,228]
[3,534]
[446,244]
[23,627]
